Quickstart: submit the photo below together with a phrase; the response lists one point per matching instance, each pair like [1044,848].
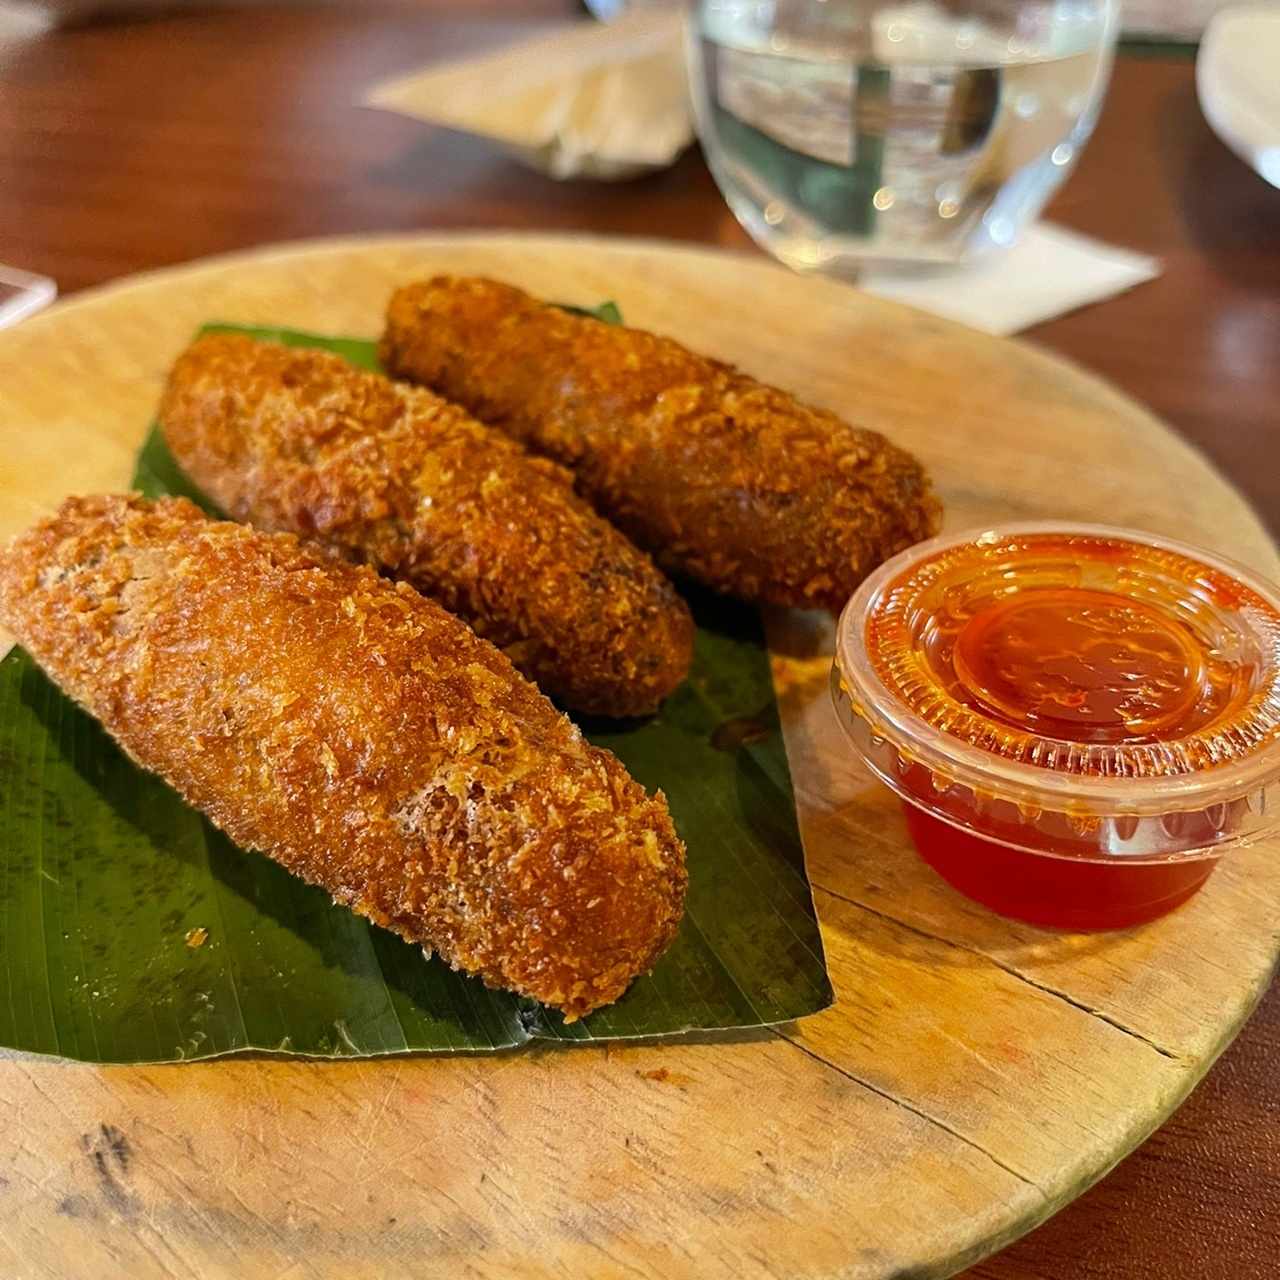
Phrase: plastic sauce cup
[1080,720]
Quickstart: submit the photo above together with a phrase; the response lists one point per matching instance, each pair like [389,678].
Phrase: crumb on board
[196,937]
[664,1075]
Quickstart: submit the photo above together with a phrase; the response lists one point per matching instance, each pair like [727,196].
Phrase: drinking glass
[929,131]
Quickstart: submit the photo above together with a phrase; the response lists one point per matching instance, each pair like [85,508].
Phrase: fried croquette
[301,441]
[358,734]
[722,478]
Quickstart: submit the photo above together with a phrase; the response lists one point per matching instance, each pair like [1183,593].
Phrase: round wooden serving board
[973,1075]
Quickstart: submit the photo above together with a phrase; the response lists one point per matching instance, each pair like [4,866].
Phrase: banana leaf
[132,930]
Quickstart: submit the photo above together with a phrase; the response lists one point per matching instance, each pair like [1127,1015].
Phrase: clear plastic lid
[1090,672]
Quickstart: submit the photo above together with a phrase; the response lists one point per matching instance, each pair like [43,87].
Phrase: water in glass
[917,132]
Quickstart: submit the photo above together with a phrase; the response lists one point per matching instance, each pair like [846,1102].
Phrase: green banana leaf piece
[132,930]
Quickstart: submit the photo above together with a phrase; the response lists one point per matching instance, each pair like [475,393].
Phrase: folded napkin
[22,294]
[591,100]
[1048,272]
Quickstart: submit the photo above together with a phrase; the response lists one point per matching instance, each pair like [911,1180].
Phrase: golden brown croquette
[721,477]
[358,734]
[301,441]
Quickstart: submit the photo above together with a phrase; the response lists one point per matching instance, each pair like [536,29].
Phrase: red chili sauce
[1073,654]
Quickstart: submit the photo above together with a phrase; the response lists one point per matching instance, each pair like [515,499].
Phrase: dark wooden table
[136,144]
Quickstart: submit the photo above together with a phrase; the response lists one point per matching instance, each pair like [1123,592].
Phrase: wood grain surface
[246,131]
[973,1075]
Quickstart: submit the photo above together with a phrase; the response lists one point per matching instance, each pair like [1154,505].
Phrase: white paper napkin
[1048,272]
[23,294]
[590,100]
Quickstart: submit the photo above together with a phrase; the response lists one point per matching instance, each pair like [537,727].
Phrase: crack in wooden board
[1007,968]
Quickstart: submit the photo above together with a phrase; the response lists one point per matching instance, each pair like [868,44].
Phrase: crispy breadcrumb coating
[358,734]
[303,442]
[722,478]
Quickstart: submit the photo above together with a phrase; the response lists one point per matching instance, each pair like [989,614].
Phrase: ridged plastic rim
[1027,784]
